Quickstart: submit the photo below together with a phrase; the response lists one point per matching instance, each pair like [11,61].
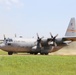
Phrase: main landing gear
[35,53]
[40,53]
[44,53]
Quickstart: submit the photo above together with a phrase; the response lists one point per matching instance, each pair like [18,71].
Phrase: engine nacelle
[59,40]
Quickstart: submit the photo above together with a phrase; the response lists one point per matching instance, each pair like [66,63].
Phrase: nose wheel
[10,53]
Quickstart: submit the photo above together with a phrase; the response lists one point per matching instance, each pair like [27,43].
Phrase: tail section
[71,30]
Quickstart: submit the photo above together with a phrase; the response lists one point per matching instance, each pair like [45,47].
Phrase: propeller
[5,40]
[4,37]
[39,41]
[53,38]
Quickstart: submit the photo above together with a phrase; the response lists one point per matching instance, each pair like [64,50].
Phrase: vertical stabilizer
[71,30]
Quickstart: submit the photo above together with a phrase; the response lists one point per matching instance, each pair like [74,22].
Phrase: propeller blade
[4,36]
[55,44]
[53,39]
[37,36]
[51,35]
[39,40]
[56,35]
[42,37]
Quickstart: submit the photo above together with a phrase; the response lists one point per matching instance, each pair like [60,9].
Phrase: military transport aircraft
[39,45]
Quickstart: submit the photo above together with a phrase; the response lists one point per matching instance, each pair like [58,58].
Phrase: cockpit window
[9,40]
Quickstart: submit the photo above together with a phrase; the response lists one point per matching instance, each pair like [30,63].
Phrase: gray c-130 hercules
[39,45]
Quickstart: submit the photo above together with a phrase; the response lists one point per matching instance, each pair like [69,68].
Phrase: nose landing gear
[10,53]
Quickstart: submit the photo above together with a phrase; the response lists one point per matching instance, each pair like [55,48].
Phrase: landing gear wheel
[10,53]
[46,53]
[35,53]
[42,53]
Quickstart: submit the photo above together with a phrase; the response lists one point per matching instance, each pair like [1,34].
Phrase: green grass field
[37,65]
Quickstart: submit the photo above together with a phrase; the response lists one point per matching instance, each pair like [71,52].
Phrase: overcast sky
[28,17]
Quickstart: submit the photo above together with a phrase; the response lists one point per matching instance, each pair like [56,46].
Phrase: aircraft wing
[69,38]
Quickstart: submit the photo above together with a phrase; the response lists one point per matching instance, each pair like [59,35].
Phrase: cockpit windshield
[9,40]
